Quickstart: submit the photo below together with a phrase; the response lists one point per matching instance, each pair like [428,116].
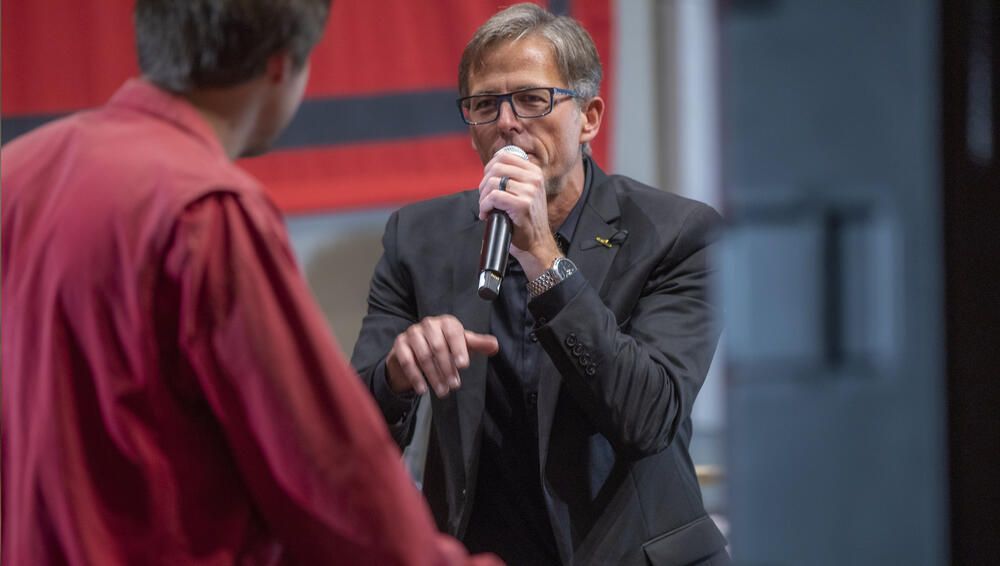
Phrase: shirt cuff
[395,406]
[546,306]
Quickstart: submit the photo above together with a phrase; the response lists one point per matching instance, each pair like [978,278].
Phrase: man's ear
[279,67]
[591,115]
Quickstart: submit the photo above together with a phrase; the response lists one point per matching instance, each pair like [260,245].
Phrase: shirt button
[532,398]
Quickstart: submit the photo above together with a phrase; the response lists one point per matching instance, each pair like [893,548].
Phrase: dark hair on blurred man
[204,44]
[171,392]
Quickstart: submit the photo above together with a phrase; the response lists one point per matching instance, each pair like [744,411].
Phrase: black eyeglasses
[526,103]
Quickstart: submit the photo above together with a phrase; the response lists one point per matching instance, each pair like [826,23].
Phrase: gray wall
[833,282]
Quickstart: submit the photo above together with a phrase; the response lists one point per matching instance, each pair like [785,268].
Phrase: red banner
[65,55]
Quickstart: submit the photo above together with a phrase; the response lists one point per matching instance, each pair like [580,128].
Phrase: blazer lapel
[597,239]
[461,414]
[596,242]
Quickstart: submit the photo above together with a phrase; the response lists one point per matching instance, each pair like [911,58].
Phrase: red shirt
[171,393]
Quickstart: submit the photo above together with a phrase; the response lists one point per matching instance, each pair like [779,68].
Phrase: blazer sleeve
[637,380]
[391,310]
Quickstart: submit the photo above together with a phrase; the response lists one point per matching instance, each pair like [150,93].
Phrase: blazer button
[532,399]
[591,370]
[571,340]
[542,320]
[585,360]
[578,349]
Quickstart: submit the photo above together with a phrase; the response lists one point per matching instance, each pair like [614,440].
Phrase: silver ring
[503,183]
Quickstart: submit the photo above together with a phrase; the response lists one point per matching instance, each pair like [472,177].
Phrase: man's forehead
[513,87]
[510,65]
[535,43]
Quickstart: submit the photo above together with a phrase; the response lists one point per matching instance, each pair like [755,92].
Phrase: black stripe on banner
[373,118]
[10,128]
[332,121]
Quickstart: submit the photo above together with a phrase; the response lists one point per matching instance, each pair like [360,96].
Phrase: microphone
[496,242]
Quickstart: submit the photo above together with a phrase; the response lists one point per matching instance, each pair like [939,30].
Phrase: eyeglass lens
[530,103]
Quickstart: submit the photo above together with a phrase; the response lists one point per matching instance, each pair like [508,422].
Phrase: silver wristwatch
[561,269]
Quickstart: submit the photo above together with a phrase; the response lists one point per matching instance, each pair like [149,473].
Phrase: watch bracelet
[549,278]
[541,284]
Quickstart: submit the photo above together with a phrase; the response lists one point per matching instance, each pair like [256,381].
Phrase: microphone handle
[493,261]
[496,243]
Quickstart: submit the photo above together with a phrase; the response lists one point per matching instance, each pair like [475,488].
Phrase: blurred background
[851,415]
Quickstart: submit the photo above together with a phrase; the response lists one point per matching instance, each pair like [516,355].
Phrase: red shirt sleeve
[311,446]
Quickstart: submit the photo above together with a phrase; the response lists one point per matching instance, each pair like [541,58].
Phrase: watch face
[564,267]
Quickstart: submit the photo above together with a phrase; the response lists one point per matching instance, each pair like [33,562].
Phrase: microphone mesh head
[513,149]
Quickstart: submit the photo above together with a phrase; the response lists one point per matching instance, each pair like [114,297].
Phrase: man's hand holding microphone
[431,352]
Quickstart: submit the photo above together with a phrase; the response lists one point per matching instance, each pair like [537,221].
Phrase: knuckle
[435,346]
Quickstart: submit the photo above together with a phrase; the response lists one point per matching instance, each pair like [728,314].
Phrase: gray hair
[576,55]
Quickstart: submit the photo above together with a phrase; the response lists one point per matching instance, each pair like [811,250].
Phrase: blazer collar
[603,200]
[597,238]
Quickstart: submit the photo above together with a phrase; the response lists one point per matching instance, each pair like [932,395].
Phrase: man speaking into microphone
[561,408]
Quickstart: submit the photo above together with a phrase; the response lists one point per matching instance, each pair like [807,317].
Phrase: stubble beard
[554,186]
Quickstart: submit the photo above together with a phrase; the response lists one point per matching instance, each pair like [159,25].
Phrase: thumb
[482,343]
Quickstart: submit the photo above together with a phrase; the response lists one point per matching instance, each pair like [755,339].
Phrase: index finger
[455,337]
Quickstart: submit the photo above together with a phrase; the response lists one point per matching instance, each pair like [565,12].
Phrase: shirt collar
[564,235]
[143,96]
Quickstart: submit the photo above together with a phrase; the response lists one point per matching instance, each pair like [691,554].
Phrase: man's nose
[507,119]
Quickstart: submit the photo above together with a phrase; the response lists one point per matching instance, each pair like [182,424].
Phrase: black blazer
[626,357]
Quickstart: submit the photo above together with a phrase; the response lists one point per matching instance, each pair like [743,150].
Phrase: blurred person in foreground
[171,392]
[569,443]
